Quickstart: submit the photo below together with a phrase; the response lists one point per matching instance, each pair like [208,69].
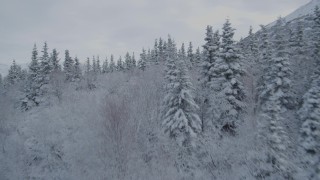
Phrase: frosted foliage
[278,74]
[174,114]
[180,119]
[211,55]
[310,130]
[68,67]
[45,66]
[227,72]
[142,63]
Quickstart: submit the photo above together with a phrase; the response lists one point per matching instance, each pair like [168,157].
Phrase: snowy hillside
[230,110]
[304,10]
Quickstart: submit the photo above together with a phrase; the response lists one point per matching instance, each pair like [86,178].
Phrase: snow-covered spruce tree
[190,55]
[127,62]
[310,131]
[253,46]
[296,41]
[278,78]
[142,60]
[228,105]
[133,61]
[105,66]
[266,65]
[45,67]
[211,55]
[120,65]
[180,119]
[155,53]
[149,57]
[56,67]
[276,137]
[98,68]
[197,57]
[77,70]
[274,85]
[88,67]
[32,88]
[112,66]
[68,67]
[183,52]
[94,66]
[14,74]
[34,65]
[161,50]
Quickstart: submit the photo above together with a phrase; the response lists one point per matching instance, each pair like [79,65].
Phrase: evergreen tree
[197,57]
[77,69]
[120,66]
[88,66]
[14,74]
[310,131]
[190,54]
[229,90]
[182,52]
[94,66]
[98,68]
[56,67]
[273,96]
[266,63]
[296,40]
[253,47]
[133,61]
[164,48]
[149,57]
[112,64]
[142,61]
[32,88]
[161,50]
[105,66]
[128,61]
[180,119]
[277,139]
[155,56]
[68,67]
[34,65]
[45,65]
[211,55]
[278,78]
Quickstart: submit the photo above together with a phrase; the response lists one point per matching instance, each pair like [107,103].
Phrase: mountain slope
[304,10]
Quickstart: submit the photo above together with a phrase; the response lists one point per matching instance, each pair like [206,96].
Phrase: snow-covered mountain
[303,10]
[300,12]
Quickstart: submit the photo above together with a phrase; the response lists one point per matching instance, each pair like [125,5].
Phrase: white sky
[102,27]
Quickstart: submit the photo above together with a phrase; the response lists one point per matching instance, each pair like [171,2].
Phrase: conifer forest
[226,109]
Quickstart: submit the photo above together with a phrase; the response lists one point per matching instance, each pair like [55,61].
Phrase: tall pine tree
[68,67]
[229,91]
[142,60]
[180,119]
[77,69]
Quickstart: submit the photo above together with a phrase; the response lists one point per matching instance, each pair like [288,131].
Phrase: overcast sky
[102,27]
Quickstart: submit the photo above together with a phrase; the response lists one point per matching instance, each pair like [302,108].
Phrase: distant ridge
[301,11]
